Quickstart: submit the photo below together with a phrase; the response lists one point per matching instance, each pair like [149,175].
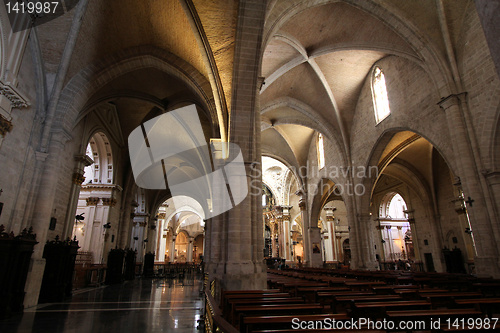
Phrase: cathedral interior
[353,136]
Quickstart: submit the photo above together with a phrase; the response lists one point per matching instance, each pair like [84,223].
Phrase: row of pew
[307,300]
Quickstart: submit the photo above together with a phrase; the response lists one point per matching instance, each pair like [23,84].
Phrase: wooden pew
[446,299]
[434,314]
[392,289]
[487,306]
[363,285]
[344,303]
[253,323]
[309,293]
[377,310]
[326,297]
[243,311]
[247,295]
[259,301]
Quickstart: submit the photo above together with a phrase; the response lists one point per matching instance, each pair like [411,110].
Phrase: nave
[141,305]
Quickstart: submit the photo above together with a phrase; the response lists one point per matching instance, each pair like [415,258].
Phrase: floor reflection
[147,305]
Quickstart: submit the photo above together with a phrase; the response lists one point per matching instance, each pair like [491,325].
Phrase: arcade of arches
[369,132]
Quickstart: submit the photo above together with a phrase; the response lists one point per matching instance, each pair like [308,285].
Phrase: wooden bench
[446,299]
[363,285]
[434,314]
[243,311]
[259,301]
[488,306]
[250,324]
[343,303]
[377,310]
[326,297]
[309,293]
[225,301]
[392,289]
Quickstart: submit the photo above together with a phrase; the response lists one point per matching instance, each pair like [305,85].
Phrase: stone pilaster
[81,161]
[487,249]
[364,238]
[240,230]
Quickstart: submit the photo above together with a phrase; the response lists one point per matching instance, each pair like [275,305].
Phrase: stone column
[189,254]
[414,234]
[241,264]
[381,242]
[286,233]
[338,248]
[44,203]
[389,242]
[172,249]
[279,232]
[364,237]
[487,247]
[330,241]
[81,161]
[306,260]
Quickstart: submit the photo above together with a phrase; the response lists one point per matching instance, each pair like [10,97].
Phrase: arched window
[380,99]
[99,150]
[321,152]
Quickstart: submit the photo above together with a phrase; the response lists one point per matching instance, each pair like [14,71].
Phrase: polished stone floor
[147,305]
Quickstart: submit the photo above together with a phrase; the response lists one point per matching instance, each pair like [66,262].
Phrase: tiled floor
[147,305]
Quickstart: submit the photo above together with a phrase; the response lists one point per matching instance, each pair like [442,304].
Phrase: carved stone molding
[92,201]
[78,178]
[16,100]
[162,216]
[108,201]
[5,125]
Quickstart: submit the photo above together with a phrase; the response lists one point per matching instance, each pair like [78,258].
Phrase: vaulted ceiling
[316,58]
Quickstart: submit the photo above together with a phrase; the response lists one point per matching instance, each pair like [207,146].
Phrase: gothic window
[380,99]
[321,152]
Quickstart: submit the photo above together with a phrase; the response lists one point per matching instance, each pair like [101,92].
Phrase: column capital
[78,178]
[5,125]
[92,201]
[452,100]
[108,201]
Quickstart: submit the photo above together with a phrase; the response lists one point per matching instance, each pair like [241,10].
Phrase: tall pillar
[189,254]
[330,241]
[81,161]
[237,253]
[364,237]
[306,260]
[485,236]
[285,230]
[44,203]
[279,232]
[414,233]
[172,249]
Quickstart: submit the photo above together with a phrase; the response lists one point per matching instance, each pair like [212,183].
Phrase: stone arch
[83,85]
[381,144]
